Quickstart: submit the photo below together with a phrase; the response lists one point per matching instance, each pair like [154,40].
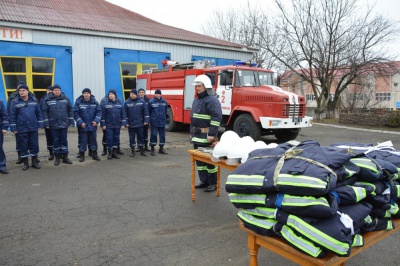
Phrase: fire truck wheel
[284,135]
[246,126]
[170,125]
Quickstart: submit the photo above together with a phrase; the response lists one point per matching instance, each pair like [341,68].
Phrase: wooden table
[255,241]
[197,155]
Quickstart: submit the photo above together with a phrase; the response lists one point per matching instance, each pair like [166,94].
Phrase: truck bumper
[277,123]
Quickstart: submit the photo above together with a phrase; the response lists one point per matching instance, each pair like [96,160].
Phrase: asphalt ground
[137,211]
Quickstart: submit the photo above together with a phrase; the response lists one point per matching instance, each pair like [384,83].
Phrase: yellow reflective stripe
[249,180]
[351,173]
[262,223]
[200,140]
[303,244]
[201,168]
[317,236]
[300,181]
[261,211]
[214,123]
[289,200]
[201,116]
[214,170]
[365,163]
[360,193]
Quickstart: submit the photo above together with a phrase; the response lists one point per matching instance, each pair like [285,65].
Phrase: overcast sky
[190,15]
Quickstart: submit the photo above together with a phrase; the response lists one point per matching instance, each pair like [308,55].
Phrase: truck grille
[293,110]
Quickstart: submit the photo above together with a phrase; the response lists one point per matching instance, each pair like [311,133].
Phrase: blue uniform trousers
[146,133]
[207,172]
[136,133]
[60,141]
[87,139]
[103,139]
[17,146]
[49,139]
[153,136]
[112,137]
[2,154]
[28,143]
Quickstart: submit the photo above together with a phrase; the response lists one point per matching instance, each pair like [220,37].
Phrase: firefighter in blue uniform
[113,118]
[47,132]
[58,116]
[4,127]
[142,94]
[87,113]
[10,98]
[204,122]
[25,120]
[137,115]
[158,116]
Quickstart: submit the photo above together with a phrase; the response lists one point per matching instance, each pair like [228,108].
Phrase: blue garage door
[122,66]
[39,66]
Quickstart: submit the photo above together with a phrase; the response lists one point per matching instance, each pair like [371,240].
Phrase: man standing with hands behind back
[204,122]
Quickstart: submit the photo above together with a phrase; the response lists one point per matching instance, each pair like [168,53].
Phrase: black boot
[110,154]
[95,156]
[119,151]
[133,153]
[19,160]
[65,159]
[35,163]
[78,155]
[115,153]
[57,160]
[142,151]
[146,146]
[81,156]
[90,153]
[162,151]
[137,148]
[26,164]
[51,153]
[104,153]
[153,153]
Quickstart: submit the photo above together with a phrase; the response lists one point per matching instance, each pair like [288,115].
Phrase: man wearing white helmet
[204,122]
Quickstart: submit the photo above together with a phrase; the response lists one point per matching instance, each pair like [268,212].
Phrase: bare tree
[327,41]
[250,27]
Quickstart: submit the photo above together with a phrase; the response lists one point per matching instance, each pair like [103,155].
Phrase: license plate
[297,120]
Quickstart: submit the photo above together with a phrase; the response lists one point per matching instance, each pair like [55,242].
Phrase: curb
[360,129]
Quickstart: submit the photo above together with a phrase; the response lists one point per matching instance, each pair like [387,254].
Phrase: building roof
[375,69]
[96,15]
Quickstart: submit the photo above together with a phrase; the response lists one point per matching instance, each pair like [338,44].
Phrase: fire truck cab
[251,104]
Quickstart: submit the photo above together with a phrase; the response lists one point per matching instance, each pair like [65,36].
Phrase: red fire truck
[251,104]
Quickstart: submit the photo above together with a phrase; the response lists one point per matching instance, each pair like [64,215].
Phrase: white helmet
[203,79]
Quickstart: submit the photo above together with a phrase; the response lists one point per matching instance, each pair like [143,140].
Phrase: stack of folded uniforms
[317,198]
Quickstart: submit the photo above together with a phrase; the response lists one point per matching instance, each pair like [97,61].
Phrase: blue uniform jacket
[57,112]
[3,116]
[158,112]
[87,112]
[206,113]
[25,116]
[113,114]
[137,112]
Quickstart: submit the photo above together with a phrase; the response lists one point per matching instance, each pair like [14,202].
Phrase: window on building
[356,97]
[395,84]
[310,97]
[129,71]
[385,96]
[37,73]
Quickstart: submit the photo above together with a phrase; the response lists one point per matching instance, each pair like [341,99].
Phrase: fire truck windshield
[249,78]
[266,78]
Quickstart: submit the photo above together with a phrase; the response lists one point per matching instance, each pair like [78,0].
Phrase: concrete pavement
[136,211]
